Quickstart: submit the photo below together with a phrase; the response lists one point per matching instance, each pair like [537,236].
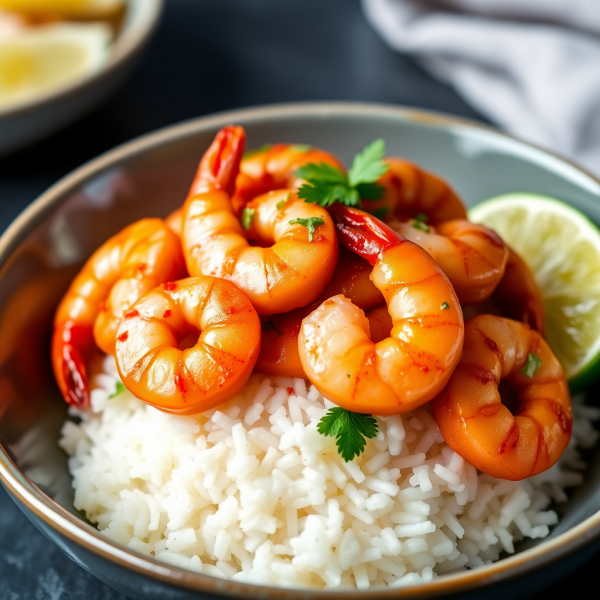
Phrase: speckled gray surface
[209,55]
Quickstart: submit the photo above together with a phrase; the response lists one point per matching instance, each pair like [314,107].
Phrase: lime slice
[42,59]
[65,8]
[562,247]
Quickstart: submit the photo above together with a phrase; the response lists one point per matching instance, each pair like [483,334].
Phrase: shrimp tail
[220,164]
[71,346]
[363,233]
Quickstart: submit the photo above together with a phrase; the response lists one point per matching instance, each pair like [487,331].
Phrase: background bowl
[29,122]
[40,252]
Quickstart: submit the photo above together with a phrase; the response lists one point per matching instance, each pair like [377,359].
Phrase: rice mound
[252,491]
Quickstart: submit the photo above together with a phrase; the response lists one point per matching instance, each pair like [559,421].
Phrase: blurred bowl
[28,122]
[149,177]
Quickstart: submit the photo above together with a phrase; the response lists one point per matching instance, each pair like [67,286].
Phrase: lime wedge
[562,247]
[42,59]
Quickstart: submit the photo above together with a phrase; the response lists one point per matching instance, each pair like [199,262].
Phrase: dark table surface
[209,56]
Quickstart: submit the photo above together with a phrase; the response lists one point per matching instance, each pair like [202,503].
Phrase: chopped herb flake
[300,148]
[119,388]
[420,225]
[254,151]
[422,217]
[350,430]
[444,306]
[532,364]
[247,216]
[281,204]
[310,223]
[326,184]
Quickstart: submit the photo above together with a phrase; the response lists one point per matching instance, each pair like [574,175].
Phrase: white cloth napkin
[530,66]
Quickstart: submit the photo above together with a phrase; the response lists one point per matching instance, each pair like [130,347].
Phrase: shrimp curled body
[211,313]
[131,263]
[471,255]
[291,269]
[410,190]
[510,444]
[407,368]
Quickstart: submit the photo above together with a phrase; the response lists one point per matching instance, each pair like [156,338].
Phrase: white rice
[252,492]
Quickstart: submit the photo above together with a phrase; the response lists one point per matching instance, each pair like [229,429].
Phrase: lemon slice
[82,9]
[562,247]
[43,59]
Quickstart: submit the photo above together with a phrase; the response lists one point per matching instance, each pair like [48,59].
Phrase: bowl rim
[87,536]
[125,46]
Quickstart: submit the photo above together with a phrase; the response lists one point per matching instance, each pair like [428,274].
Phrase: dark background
[209,56]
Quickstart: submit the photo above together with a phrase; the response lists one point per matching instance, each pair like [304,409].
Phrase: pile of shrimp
[248,275]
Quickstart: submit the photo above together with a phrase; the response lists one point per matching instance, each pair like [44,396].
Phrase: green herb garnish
[327,184]
[300,148]
[422,217]
[281,204]
[420,225]
[119,388]
[350,430]
[444,306]
[532,364]
[247,216]
[254,151]
[310,223]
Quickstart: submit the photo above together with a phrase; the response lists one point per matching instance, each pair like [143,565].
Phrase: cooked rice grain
[253,492]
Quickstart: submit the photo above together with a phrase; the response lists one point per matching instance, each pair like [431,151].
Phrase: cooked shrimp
[410,190]
[175,221]
[413,364]
[210,313]
[517,296]
[273,167]
[122,270]
[279,348]
[296,261]
[521,431]
[471,255]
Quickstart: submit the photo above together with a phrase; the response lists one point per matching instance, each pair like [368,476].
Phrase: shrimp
[294,263]
[274,167]
[210,313]
[413,364]
[517,296]
[515,432]
[472,256]
[279,350]
[410,190]
[122,270]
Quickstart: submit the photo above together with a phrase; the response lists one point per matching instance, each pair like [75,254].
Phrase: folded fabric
[530,66]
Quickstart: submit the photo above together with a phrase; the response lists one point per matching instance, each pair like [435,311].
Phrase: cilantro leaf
[322,172]
[444,306]
[370,191]
[420,225]
[532,364]
[310,223]
[247,216]
[367,166]
[350,430]
[119,388]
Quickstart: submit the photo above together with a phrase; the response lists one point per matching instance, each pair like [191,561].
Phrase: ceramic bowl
[25,123]
[149,177]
